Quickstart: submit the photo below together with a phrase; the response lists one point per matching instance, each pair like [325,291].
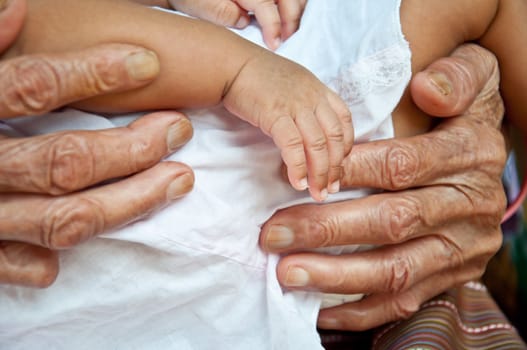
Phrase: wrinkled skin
[438,223]
[46,202]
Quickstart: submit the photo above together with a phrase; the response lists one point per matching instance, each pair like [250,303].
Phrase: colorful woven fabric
[463,318]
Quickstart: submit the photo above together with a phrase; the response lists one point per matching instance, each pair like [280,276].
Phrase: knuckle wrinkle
[400,275]
[69,222]
[402,165]
[399,218]
[71,164]
[404,307]
[32,86]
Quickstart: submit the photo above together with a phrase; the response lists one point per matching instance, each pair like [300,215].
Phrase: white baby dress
[192,276]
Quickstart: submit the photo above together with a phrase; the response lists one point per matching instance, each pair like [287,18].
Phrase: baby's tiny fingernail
[302,184]
[179,134]
[334,187]
[179,187]
[142,65]
[279,237]
[242,22]
[296,277]
[441,83]
[276,43]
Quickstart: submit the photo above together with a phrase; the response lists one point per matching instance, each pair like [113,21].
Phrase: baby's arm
[436,27]
[203,65]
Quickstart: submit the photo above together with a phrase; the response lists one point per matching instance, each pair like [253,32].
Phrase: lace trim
[380,70]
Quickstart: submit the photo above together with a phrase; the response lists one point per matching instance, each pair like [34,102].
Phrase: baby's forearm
[198,60]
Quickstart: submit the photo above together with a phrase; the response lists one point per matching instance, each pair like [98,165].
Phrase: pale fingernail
[441,83]
[334,187]
[179,134]
[182,185]
[279,236]
[323,195]
[276,43]
[142,65]
[242,22]
[296,277]
[328,322]
[302,184]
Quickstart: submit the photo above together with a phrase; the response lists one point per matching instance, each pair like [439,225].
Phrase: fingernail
[276,43]
[178,134]
[441,83]
[302,184]
[328,322]
[182,185]
[142,65]
[323,194]
[334,187]
[242,22]
[296,277]
[279,236]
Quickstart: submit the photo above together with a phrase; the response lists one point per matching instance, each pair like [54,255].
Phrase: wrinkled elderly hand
[279,19]
[438,225]
[46,199]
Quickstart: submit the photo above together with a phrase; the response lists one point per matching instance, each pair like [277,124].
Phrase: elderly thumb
[450,85]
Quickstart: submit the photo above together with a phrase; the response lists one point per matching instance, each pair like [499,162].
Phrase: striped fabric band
[462,318]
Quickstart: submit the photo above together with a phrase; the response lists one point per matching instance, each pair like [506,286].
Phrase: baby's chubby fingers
[344,114]
[333,131]
[288,139]
[316,150]
[221,12]
[267,14]
[290,13]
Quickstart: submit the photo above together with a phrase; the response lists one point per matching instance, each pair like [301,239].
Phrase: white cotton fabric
[192,276]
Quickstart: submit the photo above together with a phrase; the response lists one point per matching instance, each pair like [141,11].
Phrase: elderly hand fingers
[36,84]
[378,309]
[377,219]
[62,222]
[386,269]
[27,265]
[432,158]
[12,15]
[68,161]
[449,86]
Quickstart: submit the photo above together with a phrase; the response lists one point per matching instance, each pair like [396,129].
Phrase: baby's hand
[279,19]
[309,123]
